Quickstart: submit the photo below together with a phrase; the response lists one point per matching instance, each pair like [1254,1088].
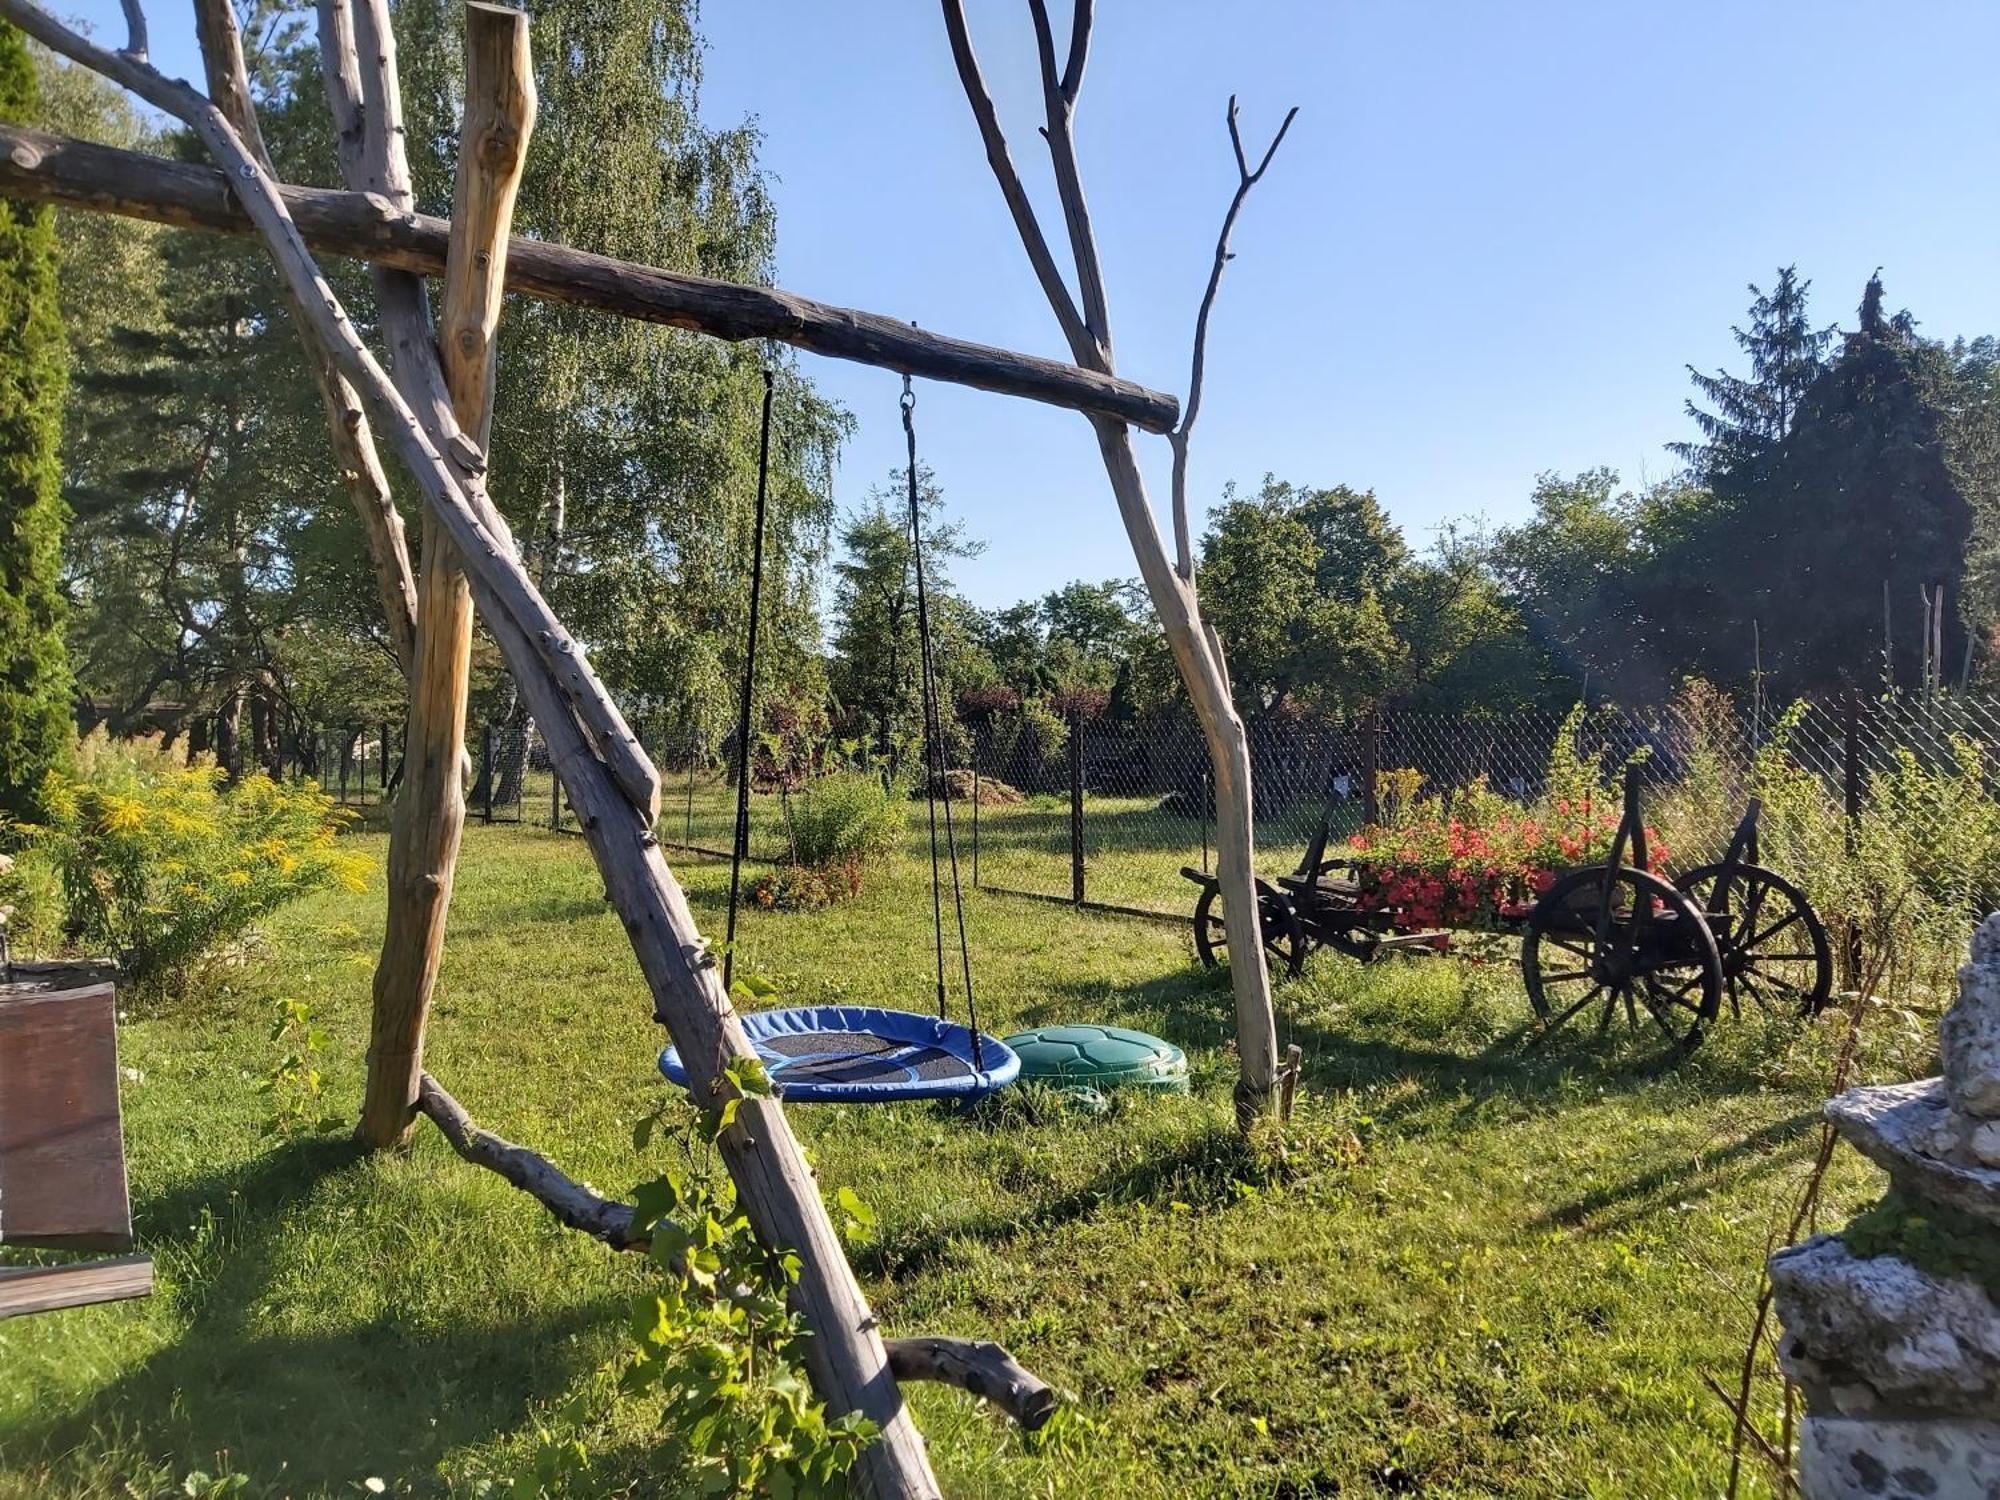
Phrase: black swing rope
[740,844]
[933,730]
[934,768]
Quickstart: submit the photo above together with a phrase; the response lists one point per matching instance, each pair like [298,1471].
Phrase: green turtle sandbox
[1098,1059]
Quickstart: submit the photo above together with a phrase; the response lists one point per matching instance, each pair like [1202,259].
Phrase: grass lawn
[1490,1274]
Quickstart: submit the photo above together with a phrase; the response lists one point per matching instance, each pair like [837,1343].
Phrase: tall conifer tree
[35,681]
[1751,414]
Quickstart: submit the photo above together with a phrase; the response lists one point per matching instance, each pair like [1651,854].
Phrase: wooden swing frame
[434,411]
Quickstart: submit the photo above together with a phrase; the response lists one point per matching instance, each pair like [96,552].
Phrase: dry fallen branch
[978,1366]
[574,1205]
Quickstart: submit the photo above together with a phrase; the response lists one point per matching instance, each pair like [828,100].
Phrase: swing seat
[858,1054]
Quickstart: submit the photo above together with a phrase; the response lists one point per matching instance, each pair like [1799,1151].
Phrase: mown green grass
[1489,1273]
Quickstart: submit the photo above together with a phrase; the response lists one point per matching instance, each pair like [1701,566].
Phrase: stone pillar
[1891,1327]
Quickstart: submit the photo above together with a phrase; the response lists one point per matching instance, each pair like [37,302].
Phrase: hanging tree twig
[1178,438]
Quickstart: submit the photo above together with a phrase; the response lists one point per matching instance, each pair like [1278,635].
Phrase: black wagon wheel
[1284,939]
[1775,951]
[1600,943]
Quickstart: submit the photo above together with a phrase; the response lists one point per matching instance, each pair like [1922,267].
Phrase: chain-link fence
[1103,813]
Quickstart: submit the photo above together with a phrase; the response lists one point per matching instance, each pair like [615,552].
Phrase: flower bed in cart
[1447,872]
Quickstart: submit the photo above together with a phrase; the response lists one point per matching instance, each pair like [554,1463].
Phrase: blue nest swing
[857,1054]
[860,1054]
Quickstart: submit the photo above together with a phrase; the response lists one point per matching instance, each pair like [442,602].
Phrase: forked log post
[1085,323]
[429,816]
[42,168]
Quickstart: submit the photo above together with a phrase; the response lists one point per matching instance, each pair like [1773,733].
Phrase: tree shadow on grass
[1199,1171]
[317,1411]
[1732,1163]
[1446,1066]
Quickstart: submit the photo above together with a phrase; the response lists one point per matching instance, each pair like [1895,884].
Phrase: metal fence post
[688,835]
[1207,807]
[975,807]
[1371,768]
[346,755]
[1850,785]
[486,767]
[1076,806]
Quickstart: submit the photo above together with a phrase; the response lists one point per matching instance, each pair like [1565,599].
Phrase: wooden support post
[1076,806]
[430,809]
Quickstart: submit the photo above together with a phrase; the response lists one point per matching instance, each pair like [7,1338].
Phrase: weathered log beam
[977,1366]
[38,167]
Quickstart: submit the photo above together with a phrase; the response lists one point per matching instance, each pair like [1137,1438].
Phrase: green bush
[163,867]
[843,818]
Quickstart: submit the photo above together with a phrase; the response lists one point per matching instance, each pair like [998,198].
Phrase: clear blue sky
[1496,234]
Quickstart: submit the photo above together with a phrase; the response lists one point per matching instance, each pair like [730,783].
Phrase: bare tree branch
[135,29]
[1058,108]
[1083,347]
[1246,179]
[976,1366]
[1197,649]
[1079,49]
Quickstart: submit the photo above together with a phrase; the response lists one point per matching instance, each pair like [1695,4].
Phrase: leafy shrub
[163,868]
[840,822]
[715,1346]
[845,817]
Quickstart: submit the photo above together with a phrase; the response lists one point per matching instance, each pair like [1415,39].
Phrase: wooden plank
[62,1153]
[33,1289]
[42,168]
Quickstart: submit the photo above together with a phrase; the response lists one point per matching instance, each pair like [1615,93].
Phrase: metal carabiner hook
[909,402]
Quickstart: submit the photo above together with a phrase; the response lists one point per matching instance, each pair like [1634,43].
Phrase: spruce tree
[1872,517]
[35,683]
[1752,414]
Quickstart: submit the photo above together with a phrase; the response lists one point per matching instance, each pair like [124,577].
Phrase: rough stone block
[1926,1147]
[1866,1458]
[1865,1337]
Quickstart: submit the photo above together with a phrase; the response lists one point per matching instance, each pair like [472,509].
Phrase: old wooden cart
[1601,940]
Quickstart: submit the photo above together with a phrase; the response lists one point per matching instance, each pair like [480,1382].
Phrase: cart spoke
[1596,990]
[1773,930]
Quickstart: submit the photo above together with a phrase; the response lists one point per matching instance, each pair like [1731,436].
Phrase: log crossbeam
[38,167]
